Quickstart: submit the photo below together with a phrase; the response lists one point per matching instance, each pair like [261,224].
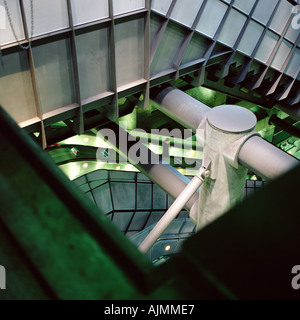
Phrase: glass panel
[6,34]
[161,6]
[103,198]
[155,25]
[16,93]
[250,37]
[281,55]
[80,181]
[188,227]
[109,216]
[174,227]
[53,68]
[170,201]
[142,177]
[183,215]
[294,63]
[154,218]
[129,51]
[89,10]
[122,219]
[90,196]
[211,17]
[281,17]
[292,33]
[167,49]
[100,175]
[144,196]
[123,195]
[95,184]
[264,10]
[93,62]
[127,6]
[259,184]
[84,188]
[48,15]
[243,5]
[185,11]
[122,176]
[266,46]
[249,184]
[139,221]
[232,27]
[196,49]
[159,198]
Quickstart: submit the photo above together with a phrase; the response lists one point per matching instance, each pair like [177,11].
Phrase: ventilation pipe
[293,111]
[285,126]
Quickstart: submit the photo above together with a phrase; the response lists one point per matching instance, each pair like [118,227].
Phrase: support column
[226,130]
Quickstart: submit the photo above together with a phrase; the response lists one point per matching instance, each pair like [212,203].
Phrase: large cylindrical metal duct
[164,175]
[264,159]
[181,107]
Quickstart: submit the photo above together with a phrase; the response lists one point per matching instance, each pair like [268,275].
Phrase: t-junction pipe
[256,154]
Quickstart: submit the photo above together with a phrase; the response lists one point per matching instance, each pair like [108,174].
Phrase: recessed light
[167,248]
[85,165]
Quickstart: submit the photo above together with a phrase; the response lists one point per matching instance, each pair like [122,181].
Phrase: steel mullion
[79,123]
[186,42]
[268,63]
[287,60]
[245,70]
[135,204]
[201,72]
[147,48]
[161,31]
[111,198]
[101,185]
[225,70]
[89,185]
[113,113]
[295,100]
[288,89]
[275,83]
[33,77]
